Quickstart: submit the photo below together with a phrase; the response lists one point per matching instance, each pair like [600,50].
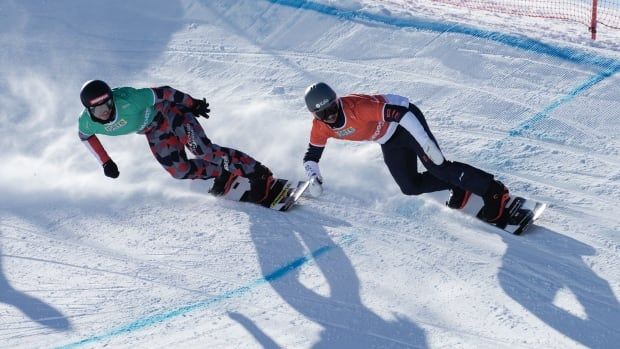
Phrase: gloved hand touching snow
[314,175]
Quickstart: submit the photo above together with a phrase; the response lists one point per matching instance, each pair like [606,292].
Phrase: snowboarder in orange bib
[403,133]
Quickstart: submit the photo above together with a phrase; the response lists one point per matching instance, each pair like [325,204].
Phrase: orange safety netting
[588,12]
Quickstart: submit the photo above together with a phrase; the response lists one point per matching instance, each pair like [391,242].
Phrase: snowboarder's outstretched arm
[311,166]
[198,107]
[94,145]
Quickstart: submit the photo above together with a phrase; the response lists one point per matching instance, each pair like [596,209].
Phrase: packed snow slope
[149,261]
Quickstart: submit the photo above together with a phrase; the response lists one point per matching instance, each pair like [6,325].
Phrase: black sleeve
[393,113]
[314,153]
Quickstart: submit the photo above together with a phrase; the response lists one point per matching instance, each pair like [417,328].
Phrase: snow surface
[149,261]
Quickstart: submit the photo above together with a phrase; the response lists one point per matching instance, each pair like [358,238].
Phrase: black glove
[200,107]
[110,169]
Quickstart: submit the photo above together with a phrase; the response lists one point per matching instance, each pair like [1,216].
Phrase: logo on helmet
[322,103]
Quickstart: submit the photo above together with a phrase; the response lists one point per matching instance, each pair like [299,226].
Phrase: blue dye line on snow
[521,42]
[530,123]
[608,66]
[153,320]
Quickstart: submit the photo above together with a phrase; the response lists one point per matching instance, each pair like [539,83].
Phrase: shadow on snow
[346,322]
[543,262]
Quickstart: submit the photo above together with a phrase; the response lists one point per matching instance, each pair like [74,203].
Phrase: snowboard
[519,214]
[281,197]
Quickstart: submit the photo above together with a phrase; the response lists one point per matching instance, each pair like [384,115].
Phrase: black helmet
[322,102]
[95,93]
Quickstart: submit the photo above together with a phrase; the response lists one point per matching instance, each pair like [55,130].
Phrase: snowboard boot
[458,198]
[260,183]
[222,184]
[494,201]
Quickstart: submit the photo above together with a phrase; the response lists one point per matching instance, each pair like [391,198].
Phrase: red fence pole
[593,23]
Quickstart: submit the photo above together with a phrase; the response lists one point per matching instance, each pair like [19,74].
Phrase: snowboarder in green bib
[168,119]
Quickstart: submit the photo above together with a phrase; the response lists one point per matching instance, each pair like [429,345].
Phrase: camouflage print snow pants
[174,130]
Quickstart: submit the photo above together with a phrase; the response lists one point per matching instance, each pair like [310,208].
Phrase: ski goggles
[99,111]
[329,113]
